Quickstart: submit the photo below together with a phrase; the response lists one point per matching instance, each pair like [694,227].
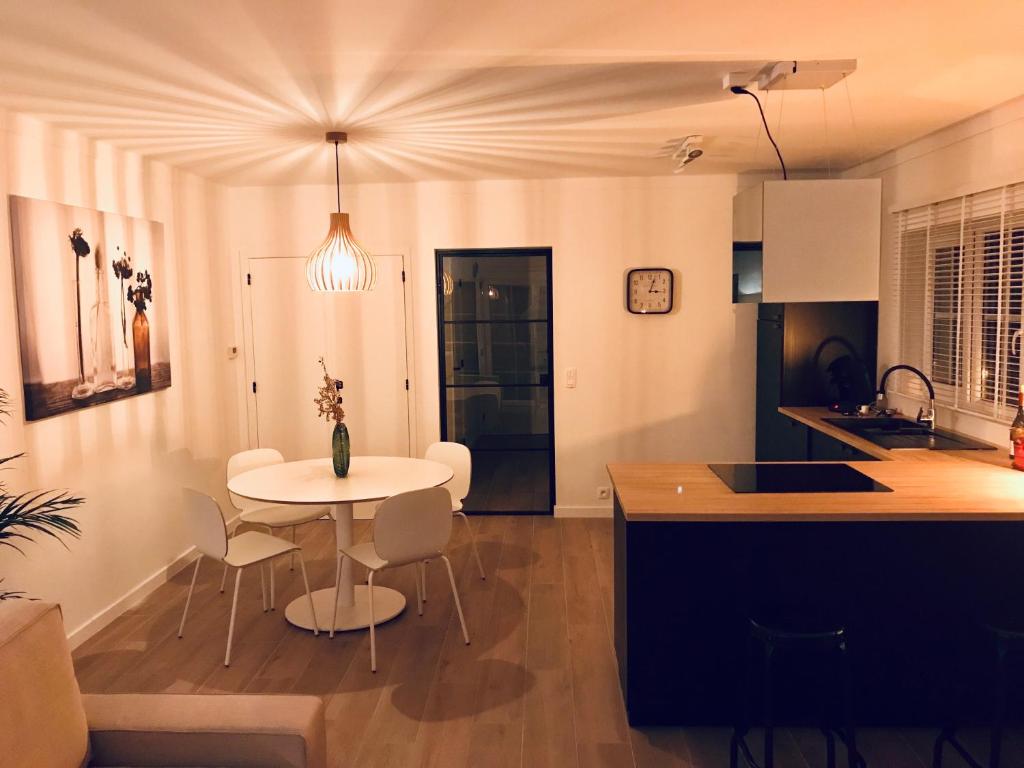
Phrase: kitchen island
[917,570]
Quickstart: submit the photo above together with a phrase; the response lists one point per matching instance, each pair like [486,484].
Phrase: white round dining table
[370,478]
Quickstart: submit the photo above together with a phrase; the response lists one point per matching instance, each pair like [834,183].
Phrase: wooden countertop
[814,417]
[947,490]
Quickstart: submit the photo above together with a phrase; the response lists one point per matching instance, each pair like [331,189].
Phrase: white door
[362,338]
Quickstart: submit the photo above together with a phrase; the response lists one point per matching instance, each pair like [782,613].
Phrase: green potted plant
[24,515]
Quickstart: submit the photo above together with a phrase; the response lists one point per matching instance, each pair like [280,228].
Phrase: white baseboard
[562,510]
[88,628]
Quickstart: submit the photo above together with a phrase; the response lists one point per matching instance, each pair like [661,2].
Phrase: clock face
[649,291]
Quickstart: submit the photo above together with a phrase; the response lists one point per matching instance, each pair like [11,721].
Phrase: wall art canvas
[92,306]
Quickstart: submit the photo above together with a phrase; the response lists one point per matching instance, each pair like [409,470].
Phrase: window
[960,280]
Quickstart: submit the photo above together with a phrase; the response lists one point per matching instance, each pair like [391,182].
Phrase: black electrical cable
[337,176]
[737,89]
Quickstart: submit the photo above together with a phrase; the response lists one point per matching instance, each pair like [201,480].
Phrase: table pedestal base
[387,603]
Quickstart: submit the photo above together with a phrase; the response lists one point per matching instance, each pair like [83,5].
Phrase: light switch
[570,378]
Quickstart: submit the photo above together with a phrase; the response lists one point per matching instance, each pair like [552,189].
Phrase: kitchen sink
[897,433]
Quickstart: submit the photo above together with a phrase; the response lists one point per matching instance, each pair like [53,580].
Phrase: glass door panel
[494,310]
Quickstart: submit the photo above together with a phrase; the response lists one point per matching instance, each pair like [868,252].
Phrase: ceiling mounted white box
[820,239]
[804,75]
[793,75]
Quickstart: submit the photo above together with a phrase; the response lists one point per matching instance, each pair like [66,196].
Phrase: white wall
[983,152]
[129,458]
[677,388]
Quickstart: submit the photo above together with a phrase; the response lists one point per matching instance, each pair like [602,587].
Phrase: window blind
[959,283]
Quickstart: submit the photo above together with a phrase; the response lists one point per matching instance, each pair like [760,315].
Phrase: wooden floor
[510,481]
[537,687]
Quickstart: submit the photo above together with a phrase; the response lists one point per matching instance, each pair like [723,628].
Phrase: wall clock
[649,291]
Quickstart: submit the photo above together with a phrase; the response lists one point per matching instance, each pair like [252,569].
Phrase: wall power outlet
[604,492]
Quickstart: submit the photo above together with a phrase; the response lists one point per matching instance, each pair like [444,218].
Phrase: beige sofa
[47,723]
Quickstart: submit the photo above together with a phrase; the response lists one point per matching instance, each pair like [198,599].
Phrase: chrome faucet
[923,416]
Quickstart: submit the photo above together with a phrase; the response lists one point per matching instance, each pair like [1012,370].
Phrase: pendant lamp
[339,263]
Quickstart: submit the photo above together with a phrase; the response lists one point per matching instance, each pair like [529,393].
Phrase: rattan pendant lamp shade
[339,263]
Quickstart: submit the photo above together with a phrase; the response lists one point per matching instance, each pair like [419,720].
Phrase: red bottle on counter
[1017,434]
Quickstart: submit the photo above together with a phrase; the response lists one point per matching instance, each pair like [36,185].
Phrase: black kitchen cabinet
[795,344]
[782,439]
[778,438]
[822,447]
[911,591]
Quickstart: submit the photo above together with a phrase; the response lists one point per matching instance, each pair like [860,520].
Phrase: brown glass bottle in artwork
[140,334]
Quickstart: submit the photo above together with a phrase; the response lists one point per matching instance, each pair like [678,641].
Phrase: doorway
[362,338]
[496,373]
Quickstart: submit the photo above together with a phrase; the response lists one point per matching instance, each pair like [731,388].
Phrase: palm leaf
[5,410]
[12,594]
[35,512]
[39,512]
[4,460]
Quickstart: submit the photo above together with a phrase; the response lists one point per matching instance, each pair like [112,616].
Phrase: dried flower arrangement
[142,291]
[328,398]
[123,271]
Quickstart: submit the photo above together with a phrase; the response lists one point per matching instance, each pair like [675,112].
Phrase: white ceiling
[242,90]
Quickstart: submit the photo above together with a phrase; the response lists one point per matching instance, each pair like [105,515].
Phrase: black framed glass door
[495,360]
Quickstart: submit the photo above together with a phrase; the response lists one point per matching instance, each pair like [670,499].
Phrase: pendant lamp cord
[337,176]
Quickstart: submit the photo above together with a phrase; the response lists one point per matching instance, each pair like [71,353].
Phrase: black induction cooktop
[795,478]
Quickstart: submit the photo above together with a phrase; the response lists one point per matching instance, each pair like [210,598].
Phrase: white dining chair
[206,524]
[458,458]
[409,529]
[269,516]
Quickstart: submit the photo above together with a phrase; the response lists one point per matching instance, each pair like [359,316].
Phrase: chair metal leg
[455,594]
[472,541]
[769,726]
[224,576]
[337,588]
[263,585]
[309,595]
[188,600]
[852,756]
[419,590]
[937,750]
[271,566]
[999,715]
[830,748]
[739,731]
[291,563]
[424,575]
[231,624]
[948,736]
[373,628]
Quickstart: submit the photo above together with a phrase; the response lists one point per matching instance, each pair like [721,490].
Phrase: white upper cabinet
[820,240]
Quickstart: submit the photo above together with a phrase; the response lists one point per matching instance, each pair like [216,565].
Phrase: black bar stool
[794,631]
[1006,637]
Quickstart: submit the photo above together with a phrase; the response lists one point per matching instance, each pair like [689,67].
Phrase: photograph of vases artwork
[91,315]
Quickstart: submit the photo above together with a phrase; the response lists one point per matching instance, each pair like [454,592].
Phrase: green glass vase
[340,450]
